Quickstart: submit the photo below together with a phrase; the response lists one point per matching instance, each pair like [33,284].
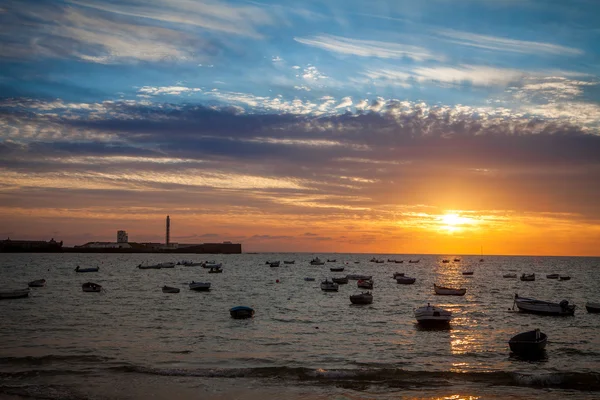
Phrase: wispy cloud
[367,48]
[505,44]
[167,90]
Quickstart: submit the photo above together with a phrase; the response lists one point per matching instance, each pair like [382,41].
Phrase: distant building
[104,245]
[122,237]
[17,246]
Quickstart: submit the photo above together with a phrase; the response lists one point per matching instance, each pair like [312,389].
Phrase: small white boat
[533,306]
[363,298]
[405,280]
[91,287]
[431,315]
[95,269]
[509,275]
[528,277]
[446,291]
[14,293]
[357,277]
[317,261]
[169,289]
[309,279]
[365,283]
[199,286]
[329,286]
[37,283]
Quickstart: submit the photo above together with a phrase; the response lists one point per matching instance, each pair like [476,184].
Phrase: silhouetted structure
[30,246]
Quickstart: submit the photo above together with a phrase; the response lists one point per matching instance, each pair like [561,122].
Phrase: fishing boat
[6,294]
[533,306]
[457,260]
[397,274]
[341,280]
[405,280]
[373,259]
[592,308]
[528,343]
[275,264]
[241,312]
[185,263]
[169,289]
[413,261]
[356,277]
[528,277]
[399,261]
[317,261]
[445,261]
[509,275]
[564,278]
[199,286]
[328,260]
[431,316]
[212,265]
[363,298]
[307,279]
[37,283]
[553,276]
[91,287]
[467,273]
[336,269]
[289,262]
[215,270]
[329,286]
[365,283]
[147,266]
[446,291]
[95,269]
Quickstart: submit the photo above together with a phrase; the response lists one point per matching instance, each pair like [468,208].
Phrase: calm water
[133,341]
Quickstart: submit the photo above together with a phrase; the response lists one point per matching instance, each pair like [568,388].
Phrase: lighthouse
[168,232]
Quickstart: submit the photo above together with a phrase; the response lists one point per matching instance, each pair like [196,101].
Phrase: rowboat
[169,289]
[533,306]
[528,343]
[329,286]
[14,293]
[467,273]
[528,277]
[328,260]
[446,291]
[592,308]
[365,283]
[564,278]
[413,262]
[78,269]
[91,287]
[363,298]
[430,315]
[307,279]
[199,286]
[553,276]
[336,269]
[275,264]
[405,280]
[37,283]
[317,261]
[241,312]
[289,262]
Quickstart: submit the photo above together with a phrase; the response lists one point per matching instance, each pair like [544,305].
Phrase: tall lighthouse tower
[168,232]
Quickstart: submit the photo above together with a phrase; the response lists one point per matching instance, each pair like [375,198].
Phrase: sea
[131,341]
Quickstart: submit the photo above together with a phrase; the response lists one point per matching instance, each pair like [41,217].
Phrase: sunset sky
[396,126]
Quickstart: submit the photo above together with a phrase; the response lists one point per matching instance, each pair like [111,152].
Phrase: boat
[169,289]
[340,281]
[155,266]
[289,262]
[190,263]
[317,261]
[328,260]
[373,259]
[397,274]
[509,275]
[445,261]
[363,298]
[405,280]
[212,265]
[390,260]
[379,261]
[553,276]
[95,269]
[356,277]
[457,260]
[432,316]
[309,279]
[532,342]
[446,291]
[413,261]
[329,286]
[37,283]
[199,286]
[592,308]
[533,306]
[91,287]
[481,260]
[275,264]
[564,278]
[14,293]
[528,277]
[167,265]
[336,269]
[215,270]
[241,312]
[467,273]
[365,283]
[399,261]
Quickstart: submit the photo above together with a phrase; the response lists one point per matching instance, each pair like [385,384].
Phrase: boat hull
[38,283]
[404,280]
[527,343]
[340,281]
[91,287]
[168,289]
[241,312]
[432,316]
[531,306]
[593,308]
[363,298]
[336,269]
[199,286]
[14,294]
[443,291]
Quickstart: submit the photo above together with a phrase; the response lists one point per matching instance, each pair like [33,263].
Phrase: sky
[444,127]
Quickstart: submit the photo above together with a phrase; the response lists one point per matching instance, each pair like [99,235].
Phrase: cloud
[505,44]
[366,48]
[346,102]
[167,90]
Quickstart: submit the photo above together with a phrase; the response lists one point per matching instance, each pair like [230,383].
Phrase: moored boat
[340,281]
[365,283]
[91,287]
[564,278]
[94,269]
[467,273]
[397,274]
[363,298]
[147,266]
[528,277]
[405,280]
[533,306]
[445,261]
[199,286]
[336,269]
[212,265]
[241,312]
[430,315]
[528,343]
[186,263]
[457,260]
[399,261]
[446,291]
[275,264]
[592,308]
[307,279]
[37,283]
[317,261]
[334,260]
[169,289]
[6,294]
[356,277]
[215,270]
[289,262]
[413,261]
[553,276]
[329,286]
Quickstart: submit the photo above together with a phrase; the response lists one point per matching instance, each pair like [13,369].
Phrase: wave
[585,381]
[51,358]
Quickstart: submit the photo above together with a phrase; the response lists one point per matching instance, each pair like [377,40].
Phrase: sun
[452,222]
[451,219]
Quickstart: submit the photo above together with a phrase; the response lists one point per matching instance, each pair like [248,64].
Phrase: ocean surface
[133,341]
